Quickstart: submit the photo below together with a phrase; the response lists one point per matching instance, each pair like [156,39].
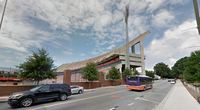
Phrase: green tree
[126,72]
[192,68]
[162,70]
[90,73]
[113,74]
[150,74]
[38,66]
[179,67]
[134,72]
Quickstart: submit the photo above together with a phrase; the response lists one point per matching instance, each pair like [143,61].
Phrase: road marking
[157,93]
[131,104]
[139,98]
[114,108]
[68,102]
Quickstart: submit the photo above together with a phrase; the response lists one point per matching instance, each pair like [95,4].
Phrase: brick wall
[7,90]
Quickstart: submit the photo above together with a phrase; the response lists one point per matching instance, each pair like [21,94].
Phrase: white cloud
[174,44]
[67,52]
[83,54]
[20,32]
[174,2]
[155,4]
[163,18]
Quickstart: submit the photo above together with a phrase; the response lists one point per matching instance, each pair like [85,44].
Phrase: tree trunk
[37,82]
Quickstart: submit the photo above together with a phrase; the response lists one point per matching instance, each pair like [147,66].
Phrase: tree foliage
[126,72]
[188,68]
[150,73]
[192,69]
[179,66]
[162,70]
[38,66]
[129,72]
[90,72]
[113,74]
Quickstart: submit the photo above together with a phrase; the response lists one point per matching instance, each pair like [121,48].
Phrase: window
[44,88]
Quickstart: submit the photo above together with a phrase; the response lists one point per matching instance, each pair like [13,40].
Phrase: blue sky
[73,30]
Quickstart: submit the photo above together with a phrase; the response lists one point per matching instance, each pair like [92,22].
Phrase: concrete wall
[9,89]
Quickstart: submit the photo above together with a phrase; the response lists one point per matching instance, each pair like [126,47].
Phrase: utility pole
[196,10]
[4,9]
[127,39]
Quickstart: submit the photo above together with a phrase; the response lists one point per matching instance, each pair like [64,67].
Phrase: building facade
[114,58]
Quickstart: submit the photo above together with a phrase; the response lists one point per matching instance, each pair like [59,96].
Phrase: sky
[74,30]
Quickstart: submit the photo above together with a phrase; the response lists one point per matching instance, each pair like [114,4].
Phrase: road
[107,98]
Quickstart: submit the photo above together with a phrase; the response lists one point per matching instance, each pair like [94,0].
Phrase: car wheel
[63,97]
[80,91]
[26,102]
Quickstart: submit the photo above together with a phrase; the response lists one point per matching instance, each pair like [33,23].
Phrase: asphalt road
[107,98]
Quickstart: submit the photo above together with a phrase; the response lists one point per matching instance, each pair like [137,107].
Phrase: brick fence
[100,83]
[9,89]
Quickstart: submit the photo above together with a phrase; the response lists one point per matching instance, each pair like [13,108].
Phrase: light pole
[127,39]
[196,10]
[4,9]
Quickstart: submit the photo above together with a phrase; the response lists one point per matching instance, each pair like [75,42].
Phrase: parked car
[172,81]
[40,93]
[75,89]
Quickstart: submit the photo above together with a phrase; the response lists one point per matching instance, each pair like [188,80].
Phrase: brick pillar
[101,78]
[67,77]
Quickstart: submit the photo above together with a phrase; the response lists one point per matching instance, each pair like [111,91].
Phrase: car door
[55,90]
[43,93]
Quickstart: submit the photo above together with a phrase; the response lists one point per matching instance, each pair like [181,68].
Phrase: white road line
[139,98]
[68,102]
[157,93]
[114,108]
[131,104]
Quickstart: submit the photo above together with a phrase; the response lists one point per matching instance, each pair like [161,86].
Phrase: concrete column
[142,56]
[133,49]
[120,70]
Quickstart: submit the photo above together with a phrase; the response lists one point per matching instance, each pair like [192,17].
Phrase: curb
[3,99]
[161,105]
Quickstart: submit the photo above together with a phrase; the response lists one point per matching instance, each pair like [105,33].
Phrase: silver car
[75,89]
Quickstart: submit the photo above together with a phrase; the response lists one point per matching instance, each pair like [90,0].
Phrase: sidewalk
[178,98]
[3,99]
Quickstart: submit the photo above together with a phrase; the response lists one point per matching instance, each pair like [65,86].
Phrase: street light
[196,9]
[127,39]
[4,9]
